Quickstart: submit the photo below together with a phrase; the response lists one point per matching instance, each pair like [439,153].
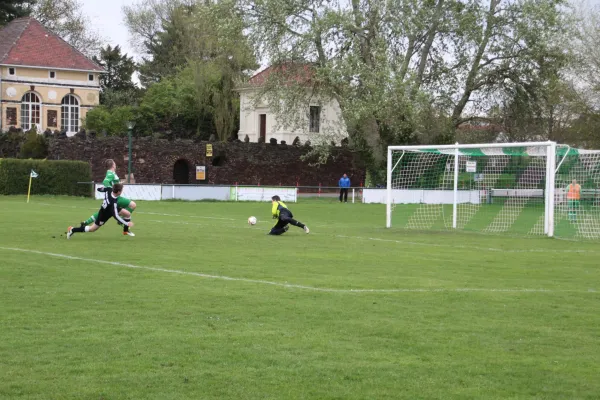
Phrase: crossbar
[473,146]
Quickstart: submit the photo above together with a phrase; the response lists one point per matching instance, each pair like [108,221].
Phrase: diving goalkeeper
[284,217]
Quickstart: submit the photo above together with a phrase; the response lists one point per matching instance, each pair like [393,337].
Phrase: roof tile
[25,41]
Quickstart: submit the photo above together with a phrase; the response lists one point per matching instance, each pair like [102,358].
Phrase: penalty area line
[289,285]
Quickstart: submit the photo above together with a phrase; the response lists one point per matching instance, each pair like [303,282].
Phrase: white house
[323,118]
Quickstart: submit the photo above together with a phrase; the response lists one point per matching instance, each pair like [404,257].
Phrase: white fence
[420,196]
[200,192]
[291,194]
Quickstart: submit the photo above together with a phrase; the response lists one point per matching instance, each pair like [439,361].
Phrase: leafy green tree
[117,86]
[171,105]
[220,56]
[157,28]
[113,121]
[197,55]
[386,61]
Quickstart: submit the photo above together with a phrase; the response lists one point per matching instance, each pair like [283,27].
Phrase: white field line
[362,238]
[291,285]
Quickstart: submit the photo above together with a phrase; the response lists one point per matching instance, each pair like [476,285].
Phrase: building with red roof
[44,81]
[318,119]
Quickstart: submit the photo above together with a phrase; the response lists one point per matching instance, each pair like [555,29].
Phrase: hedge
[55,177]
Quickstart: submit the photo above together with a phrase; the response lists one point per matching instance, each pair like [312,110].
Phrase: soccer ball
[252,221]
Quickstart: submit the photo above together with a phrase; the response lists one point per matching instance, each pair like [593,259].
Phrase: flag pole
[29,190]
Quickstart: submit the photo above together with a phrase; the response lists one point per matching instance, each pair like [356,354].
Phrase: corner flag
[32,175]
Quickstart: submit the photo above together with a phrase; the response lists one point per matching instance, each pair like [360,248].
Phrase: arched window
[30,110]
[70,114]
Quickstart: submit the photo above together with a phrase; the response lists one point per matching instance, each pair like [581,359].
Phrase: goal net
[518,188]
[577,193]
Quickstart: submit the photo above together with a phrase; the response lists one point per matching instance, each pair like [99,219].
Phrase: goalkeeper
[284,217]
[573,198]
[124,205]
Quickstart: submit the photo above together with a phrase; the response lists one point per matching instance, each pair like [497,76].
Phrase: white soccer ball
[252,220]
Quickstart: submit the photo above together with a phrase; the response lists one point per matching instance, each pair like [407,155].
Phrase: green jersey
[110,179]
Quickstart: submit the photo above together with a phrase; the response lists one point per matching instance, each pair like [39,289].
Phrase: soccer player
[573,197]
[108,210]
[284,217]
[125,206]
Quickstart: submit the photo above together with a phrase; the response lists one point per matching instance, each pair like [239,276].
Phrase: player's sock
[125,227]
[81,229]
[297,223]
[89,220]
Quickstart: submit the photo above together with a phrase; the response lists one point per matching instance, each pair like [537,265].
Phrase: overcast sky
[107,18]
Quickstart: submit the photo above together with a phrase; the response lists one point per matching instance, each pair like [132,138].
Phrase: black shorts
[285,215]
[103,217]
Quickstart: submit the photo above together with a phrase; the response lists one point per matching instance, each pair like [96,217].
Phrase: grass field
[201,306]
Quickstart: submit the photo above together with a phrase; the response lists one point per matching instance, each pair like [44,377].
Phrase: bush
[35,146]
[10,143]
[273,141]
[55,177]
[113,122]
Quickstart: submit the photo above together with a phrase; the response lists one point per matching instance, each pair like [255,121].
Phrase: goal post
[518,188]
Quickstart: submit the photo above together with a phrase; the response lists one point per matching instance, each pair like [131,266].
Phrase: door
[263,127]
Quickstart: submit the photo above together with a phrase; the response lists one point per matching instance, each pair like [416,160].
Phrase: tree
[220,56]
[585,73]
[156,28]
[11,9]
[116,84]
[66,19]
[197,53]
[113,122]
[385,61]
[172,105]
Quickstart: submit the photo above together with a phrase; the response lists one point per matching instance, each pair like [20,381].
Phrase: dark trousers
[284,220]
[344,194]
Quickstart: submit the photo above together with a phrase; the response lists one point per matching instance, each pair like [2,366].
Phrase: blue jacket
[344,182]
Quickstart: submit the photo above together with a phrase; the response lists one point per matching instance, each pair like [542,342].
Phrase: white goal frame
[549,192]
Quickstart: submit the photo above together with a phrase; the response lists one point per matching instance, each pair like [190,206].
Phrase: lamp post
[130,126]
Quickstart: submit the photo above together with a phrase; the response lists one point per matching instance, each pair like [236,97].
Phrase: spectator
[344,185]
[573,197]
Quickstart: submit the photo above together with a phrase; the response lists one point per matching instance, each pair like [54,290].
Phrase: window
[11,116]
[91,77]
[52,74]
[11,71]
[70,114]
[52,119]
[30,111]
[315,119]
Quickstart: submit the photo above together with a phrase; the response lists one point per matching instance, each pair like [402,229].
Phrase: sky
[106,17]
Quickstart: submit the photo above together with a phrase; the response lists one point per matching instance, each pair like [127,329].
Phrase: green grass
[473,316]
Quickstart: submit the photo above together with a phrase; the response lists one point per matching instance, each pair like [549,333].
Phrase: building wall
[50,91]
[331,126]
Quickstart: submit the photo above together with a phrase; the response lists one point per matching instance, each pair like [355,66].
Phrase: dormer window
[11,71]
[52,74]
[91,77]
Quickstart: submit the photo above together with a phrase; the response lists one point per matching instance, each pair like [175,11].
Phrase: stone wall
[154,161]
